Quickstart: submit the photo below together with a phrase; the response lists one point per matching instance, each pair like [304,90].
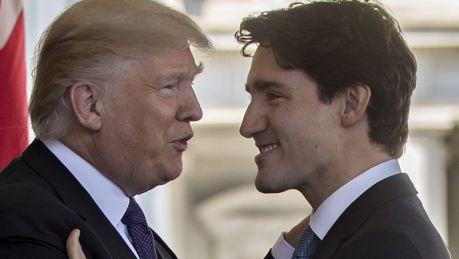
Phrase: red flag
[13,104]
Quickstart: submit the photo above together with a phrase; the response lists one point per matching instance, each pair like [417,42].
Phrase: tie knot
[134,214]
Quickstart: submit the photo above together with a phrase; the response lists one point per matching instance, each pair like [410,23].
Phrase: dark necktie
[306,245]
[138,229]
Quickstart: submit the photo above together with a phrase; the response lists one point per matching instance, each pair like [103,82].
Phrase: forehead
[168,63]
[265,71]
[156,69]
[264,60]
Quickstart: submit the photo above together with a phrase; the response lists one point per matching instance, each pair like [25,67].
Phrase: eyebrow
[261,85]
[197,70]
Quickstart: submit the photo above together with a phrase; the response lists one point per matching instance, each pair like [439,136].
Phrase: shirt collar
[331,209]
[110,198]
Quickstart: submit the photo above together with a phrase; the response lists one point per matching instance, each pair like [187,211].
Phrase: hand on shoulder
[294,234]
[73,245]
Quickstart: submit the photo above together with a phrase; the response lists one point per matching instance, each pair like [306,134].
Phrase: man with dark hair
[111,107]
[331,83]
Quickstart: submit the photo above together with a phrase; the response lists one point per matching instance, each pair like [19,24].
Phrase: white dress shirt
[110,198]
[331,209]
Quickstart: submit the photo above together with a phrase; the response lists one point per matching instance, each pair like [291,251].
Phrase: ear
[86,105]
[356,99]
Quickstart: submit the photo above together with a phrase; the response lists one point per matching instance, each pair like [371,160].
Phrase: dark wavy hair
[339,44]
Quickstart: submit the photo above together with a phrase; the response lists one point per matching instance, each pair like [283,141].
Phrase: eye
[273,96]
[170,86]
[169,89]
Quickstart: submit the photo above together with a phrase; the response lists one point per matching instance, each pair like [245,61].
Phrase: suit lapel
[162,250]
[69,190]
[357,213]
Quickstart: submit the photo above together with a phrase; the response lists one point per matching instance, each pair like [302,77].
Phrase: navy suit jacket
[387,221]
[41,202]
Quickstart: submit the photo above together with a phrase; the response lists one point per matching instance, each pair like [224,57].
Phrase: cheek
[294,125]
[158,126]
[303,135]
[154,116]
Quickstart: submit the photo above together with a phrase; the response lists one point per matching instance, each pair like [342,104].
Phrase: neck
[325,183]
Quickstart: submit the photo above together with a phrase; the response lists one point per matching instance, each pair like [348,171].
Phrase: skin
[293,236]
[285,110]
[136,132]
[73,246]
[74,250]
[305,144]
[319,145]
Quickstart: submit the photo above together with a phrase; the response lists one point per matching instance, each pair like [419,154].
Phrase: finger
[293,236]
[73,246]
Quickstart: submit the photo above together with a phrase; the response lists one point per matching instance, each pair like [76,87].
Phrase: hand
[73,246]
[293,236]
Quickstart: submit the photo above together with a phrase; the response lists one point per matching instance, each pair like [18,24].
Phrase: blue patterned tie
[138,229]
[306,245]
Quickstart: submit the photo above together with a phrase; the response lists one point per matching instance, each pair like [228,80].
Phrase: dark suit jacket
[387,221]
[41,202]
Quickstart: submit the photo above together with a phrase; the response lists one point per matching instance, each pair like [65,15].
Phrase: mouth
[182,143]
[264,150]
[267,147]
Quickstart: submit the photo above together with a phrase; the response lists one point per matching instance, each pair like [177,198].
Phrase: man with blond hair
[111,108]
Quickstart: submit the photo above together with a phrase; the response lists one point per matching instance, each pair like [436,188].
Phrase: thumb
[73,245]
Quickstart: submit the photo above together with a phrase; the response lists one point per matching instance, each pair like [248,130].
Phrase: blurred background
[213,210]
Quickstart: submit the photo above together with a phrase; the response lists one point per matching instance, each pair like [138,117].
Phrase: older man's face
[146,121]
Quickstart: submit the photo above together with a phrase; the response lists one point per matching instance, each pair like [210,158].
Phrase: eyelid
[275,94]
[173,82]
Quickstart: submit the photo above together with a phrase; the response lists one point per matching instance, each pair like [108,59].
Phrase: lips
[268,147]
[264,150]
[182,143]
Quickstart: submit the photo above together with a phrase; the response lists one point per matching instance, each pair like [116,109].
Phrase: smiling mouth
[266,148]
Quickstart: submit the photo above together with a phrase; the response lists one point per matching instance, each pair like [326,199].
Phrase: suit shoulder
[22,189]
[18,176]
[162,247]
[405,218]
[31,213]
[390,243]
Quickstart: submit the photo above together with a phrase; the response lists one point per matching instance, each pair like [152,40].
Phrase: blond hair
[89,41]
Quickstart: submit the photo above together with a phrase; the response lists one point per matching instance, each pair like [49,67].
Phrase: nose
[253,122]
[191,109]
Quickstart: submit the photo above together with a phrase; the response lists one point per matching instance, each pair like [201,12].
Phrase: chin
[171,175]
[170,178]
[267,185]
